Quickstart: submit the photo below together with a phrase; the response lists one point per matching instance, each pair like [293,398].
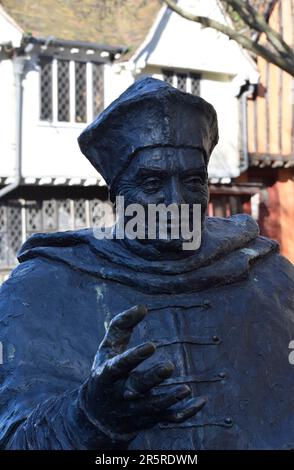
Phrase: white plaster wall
[9,30]
[181,43]
[48,149]
[118,77]
[219,90]
[7,119]
[52,150]
[225,159]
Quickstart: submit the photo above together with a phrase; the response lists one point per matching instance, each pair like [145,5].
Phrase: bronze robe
[224,316]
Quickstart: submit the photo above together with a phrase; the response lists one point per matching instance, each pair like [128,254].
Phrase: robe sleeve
[39,385]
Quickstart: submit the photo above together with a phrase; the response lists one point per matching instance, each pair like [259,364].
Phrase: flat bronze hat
[150,113]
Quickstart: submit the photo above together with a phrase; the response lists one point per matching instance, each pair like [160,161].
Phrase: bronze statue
[198,358]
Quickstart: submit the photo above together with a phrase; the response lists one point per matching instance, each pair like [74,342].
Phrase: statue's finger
[143,381]
[120,330]
[121,365]
[154,405]
[159,402]
[180,414]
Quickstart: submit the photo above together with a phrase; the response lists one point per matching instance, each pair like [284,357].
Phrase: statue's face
[166,175]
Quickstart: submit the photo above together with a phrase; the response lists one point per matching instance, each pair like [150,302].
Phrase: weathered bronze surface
[202,362]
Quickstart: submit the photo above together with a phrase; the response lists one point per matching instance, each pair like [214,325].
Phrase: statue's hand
[120,401]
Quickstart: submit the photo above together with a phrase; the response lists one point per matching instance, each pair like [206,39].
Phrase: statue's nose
[174,192]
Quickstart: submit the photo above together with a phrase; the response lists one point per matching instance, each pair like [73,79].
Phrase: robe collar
[228,250]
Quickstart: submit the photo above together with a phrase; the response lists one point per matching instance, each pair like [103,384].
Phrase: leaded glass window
[188,82]
[67,87]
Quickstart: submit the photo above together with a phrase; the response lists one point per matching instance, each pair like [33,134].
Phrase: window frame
[175,73]
[72,122]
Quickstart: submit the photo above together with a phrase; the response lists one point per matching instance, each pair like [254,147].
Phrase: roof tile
[112,22]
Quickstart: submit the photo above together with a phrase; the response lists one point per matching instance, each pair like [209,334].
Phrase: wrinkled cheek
[202,200]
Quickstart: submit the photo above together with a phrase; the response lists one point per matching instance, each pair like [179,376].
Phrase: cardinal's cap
[150,113]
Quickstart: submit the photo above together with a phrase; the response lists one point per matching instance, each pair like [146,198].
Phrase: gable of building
[177,42]
[202,61]
[10,31]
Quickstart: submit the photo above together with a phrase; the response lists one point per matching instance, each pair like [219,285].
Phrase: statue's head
[152,146]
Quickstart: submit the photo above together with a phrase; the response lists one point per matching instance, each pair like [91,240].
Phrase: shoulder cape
[229,248]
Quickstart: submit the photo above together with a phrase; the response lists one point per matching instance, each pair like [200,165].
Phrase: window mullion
[188,84]
[90,97]
[175,80]
[88,214]
[54,91]
[23,220]
[72,91]
[72,214]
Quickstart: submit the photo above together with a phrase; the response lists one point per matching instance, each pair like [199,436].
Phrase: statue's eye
[152,185]
[192,182]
